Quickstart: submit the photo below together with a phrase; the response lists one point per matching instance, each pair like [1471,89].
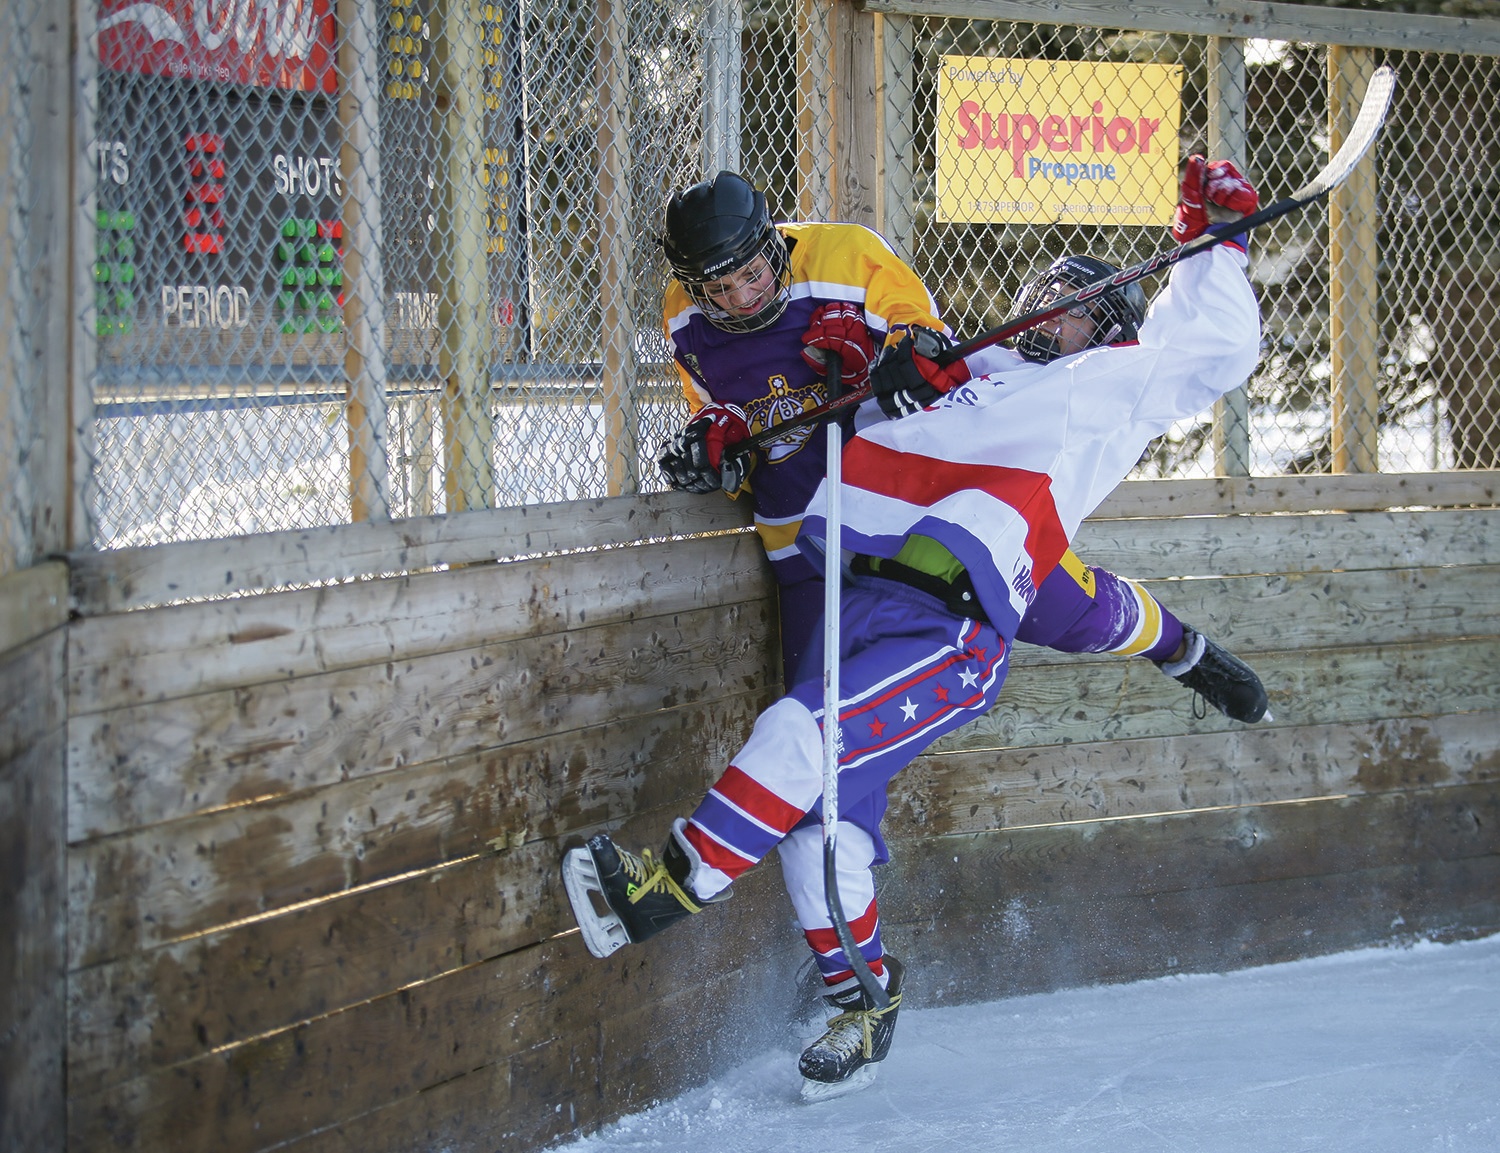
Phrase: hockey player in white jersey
[953,515]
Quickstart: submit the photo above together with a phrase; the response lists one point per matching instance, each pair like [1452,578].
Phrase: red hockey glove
[840,327]
[907,377]
[1212,193]
[694,460]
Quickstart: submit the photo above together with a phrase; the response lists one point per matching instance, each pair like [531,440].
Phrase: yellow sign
[1056,141]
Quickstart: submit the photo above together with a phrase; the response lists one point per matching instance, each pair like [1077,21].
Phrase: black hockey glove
[695,459]
[907,377]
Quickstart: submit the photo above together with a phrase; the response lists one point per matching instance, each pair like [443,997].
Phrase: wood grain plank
[179,878]
[133,767]
[1121,700]
[1184,852]
[32,923]
[33,601]
[1238,18]
[1355,492]
[1298,543]
[156,654]
[281,1086]
[971,792]
[274,972]
[119,579]
[129,659]
[1082,939]
[1161,882]
[1003,913]
[1251,614]
[161,1006]
[32,698]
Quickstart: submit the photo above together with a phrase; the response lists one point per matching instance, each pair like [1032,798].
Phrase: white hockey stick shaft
[832,598]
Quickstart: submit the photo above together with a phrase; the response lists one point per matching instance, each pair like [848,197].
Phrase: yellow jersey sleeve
[850,262]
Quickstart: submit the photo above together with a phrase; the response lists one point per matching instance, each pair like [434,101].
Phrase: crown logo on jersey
[782,404]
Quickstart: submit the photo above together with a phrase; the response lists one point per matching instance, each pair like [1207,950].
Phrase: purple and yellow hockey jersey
[765,375]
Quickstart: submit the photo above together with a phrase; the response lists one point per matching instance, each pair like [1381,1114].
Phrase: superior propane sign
[1056,141]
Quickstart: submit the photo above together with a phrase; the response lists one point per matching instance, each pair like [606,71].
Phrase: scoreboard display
[220,195]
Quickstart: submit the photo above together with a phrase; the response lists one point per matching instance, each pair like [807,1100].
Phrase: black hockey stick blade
[1366,127]
[867,979]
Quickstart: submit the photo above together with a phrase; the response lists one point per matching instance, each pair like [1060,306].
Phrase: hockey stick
[1366,127]
[832,574]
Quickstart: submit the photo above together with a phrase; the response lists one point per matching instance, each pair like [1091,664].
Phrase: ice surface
[1389,1050]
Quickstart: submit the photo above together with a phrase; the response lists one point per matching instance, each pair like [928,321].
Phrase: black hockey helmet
[717,228]
[1117,314]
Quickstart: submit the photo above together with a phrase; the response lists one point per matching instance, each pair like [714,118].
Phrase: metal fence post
[364,278]
[723,63]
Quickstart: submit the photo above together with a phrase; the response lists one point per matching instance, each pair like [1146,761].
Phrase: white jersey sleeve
[1005,467]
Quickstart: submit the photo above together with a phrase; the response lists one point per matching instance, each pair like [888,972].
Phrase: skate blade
[815,1091]
[603,932]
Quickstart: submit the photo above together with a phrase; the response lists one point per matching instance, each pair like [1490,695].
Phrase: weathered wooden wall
[33,609]
[312,836]
[1091,829]
[313,893]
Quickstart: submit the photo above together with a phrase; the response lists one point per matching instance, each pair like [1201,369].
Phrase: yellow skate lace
[865,1019]
[645,873]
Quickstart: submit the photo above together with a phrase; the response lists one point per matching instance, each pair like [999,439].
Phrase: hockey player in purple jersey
[752,309]
[977,495]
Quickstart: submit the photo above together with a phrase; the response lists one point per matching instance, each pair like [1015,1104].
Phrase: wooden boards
[312,894]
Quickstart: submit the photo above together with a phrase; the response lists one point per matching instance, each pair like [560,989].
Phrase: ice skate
[846,1058]
[1219,677]
[621,899]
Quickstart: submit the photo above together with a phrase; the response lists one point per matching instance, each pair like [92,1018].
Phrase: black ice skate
[621,899]
[847,1057]
[1219,677]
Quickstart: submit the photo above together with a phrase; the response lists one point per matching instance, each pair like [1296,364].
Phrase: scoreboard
[220,195]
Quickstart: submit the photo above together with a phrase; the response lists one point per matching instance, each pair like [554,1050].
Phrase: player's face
[746,290]
[1074,330]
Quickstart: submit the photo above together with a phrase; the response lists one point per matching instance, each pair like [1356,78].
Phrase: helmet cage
[1117,314]
[762,310]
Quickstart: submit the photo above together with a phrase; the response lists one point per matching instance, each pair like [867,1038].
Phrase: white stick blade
[1362,133]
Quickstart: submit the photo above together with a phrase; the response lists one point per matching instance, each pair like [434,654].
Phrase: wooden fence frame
[1030,852]
[284,862]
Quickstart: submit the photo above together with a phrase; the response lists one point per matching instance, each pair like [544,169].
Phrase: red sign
[264,43]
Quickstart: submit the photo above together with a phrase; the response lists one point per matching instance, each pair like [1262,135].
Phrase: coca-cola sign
[265,43]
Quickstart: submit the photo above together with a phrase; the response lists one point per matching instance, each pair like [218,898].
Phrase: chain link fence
[1409,313]
[367,258]
[379,257]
